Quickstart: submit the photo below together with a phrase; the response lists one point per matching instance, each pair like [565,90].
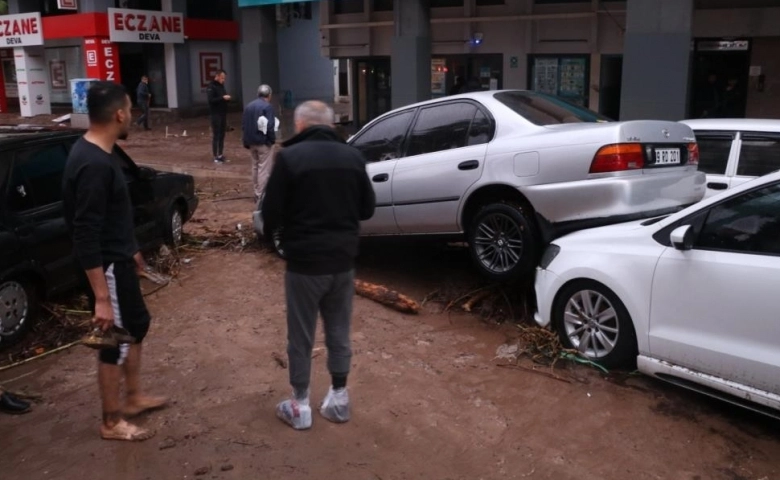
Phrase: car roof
[751,124]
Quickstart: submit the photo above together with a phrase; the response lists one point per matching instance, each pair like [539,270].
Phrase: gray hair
[264,91]
[313,113]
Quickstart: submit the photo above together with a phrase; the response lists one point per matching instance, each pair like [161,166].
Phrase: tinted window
[442,127]
[749,223]
[543,109]
[758,156]
[384,139]
[481,129]
[36,179]
[714,154]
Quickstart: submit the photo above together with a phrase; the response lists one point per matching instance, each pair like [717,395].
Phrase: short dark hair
[103,100]
[220,72]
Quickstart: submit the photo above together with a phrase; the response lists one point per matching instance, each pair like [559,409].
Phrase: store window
[382,5]
[141,4]
[562,76]
[209,10]
[49,8]
[347,6]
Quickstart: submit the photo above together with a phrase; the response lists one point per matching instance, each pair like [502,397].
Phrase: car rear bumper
[569,206]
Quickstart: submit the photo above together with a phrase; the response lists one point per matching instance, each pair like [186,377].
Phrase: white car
[691,298]
[734,151]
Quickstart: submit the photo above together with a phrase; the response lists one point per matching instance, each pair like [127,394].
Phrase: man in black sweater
[318,193]
[99,215]
[218,103]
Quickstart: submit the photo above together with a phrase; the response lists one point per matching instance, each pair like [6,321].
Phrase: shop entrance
[138,59]
[465,73]
[720,78]
[371,89]
[610,85]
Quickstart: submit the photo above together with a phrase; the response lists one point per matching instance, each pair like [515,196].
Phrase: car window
[384,139]
[714,153]
[481,130]
[543,109]
[36,178]
[441,127]
[748,223]
[759,155]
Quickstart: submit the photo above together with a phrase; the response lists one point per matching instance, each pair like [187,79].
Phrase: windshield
[543,109]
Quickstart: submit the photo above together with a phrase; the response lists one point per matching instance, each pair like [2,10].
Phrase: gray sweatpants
[330,295]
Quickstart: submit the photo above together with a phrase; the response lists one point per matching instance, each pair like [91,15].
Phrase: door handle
[382,177]
[717,186]
[468,165]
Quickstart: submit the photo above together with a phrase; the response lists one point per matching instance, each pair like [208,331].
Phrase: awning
[258,3]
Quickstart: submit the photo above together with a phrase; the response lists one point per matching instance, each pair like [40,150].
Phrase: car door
[445,156]
[382,144]
[35,211]
[714,308]
[759,154]
[146,212]
[717,153]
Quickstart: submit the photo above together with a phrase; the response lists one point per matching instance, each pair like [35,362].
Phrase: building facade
[662,59]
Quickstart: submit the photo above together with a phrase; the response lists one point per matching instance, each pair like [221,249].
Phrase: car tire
[173,228]
[18,310]
[503,242]
[606,336]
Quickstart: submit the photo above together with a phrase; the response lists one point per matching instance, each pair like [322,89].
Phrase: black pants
[144,118]
[218,127]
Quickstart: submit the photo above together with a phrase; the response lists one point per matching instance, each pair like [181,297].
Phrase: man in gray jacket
[259,137]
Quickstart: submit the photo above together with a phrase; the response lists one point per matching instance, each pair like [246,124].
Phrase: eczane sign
[145,26]
[22,30]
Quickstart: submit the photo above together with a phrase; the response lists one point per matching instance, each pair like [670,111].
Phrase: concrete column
[95,5]
[410,65]
[656,60]
[258,54]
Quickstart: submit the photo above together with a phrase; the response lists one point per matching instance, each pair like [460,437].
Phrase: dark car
[36,253]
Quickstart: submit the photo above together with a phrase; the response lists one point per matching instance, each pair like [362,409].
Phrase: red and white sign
[145,26]
[67,5]
[102,58]
[210,64]
[58,75]
[22,30]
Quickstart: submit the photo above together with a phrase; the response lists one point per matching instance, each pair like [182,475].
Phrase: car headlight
[549,255]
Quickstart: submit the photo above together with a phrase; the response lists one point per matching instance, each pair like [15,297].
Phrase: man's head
[109,109]
[264,91]
[145,79]
[312,113]
[220,76]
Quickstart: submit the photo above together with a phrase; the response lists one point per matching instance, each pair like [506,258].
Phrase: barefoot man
[99,215]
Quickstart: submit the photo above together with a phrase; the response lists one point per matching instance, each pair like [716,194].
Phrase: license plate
[667,156]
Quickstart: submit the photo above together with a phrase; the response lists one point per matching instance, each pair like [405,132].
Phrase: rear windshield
[543,109]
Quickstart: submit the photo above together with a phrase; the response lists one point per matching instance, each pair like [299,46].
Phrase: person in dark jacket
[143,97]
[218,103]
[259,123]
[318,193]
[99,215]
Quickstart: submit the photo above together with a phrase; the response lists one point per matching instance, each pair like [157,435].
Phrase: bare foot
[126,432]
[140,404]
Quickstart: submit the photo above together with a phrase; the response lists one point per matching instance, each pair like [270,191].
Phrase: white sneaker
[295,413]
[335,407]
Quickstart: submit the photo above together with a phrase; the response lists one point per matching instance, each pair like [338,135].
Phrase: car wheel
[18,305]
[502,240]
[174,226]
[591,319]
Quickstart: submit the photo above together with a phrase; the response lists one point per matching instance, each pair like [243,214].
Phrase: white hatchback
[691,298]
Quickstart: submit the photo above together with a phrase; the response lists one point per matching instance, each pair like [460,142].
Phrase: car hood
[604,233]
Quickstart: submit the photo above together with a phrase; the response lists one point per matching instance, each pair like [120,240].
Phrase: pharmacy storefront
[40,56]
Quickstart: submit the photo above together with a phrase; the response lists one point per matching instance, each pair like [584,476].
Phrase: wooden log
[386,297]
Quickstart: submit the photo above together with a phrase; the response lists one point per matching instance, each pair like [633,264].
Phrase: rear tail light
[618,158]
[693,154]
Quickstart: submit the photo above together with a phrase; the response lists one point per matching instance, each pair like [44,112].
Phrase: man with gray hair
[259,137]
[318,194]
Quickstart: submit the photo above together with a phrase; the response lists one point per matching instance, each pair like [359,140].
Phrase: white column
[32,76]
[171,83]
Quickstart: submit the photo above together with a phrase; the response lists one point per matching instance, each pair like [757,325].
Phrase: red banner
[102,59]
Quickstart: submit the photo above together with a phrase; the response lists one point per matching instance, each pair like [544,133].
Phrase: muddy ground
[430,399]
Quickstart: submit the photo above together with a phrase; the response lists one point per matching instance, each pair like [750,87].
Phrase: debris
[167,443]
[202,471]
[41,355]
[62,119]
[387,297]
[279,360]
[475,299]
[227,467]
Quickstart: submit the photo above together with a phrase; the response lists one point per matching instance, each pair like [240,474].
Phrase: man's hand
[140,263]
[226,98]
[104,314]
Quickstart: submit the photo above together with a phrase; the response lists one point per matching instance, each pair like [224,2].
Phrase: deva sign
[145,26]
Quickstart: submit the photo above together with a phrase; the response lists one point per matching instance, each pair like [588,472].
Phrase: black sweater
[215,93]
[318,193]
[97,207]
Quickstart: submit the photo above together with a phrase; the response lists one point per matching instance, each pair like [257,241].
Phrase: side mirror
[682,237]
[146,174]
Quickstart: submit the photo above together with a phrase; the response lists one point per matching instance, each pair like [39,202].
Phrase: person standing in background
[144,97]
[259,125]
[218,102]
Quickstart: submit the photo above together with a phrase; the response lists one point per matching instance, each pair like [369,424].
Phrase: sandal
[126,432]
